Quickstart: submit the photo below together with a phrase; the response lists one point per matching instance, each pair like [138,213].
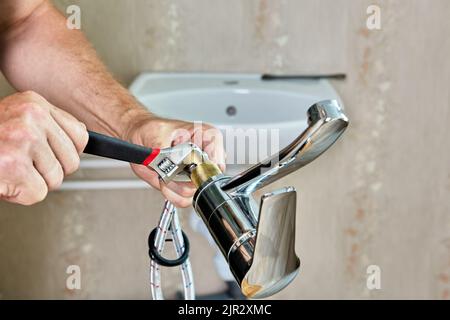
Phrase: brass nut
[203,172]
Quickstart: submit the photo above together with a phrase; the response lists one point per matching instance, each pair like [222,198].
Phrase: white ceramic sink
[235,101]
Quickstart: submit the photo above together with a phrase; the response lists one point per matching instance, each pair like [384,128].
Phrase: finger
[210,149]
[152,178]
[66,136]
[184,189]
[181,136]
[63,147]
[210,140]
[8,191]
[175,198]
[75,129]
[5,191]
[48,166]
[146,174]
[213,146]
[33,190]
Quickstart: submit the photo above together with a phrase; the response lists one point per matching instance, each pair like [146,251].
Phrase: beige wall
[380,196]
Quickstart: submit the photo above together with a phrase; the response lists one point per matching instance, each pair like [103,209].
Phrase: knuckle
[72,164]
[15,133]
[41,194]
[30,94]
[22,134]
[82,138]
[8,163]
[31,111]
[14,165]
[217,134]
[213,134]
[56,178]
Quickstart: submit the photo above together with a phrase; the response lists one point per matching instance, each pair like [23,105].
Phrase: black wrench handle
[113,148]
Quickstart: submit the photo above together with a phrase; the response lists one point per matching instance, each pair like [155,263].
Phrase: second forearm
[42,55]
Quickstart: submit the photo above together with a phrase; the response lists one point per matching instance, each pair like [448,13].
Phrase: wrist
[134,120]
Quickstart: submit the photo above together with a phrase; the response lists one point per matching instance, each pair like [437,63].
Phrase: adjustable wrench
[171,164]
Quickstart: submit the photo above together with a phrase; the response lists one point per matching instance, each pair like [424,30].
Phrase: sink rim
[203,80]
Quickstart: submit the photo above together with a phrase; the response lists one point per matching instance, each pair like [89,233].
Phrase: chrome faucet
[258,241]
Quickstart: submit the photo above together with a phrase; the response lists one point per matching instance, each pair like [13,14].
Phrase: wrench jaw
[175,163]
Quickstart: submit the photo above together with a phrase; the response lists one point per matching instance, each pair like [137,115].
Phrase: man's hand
[162,133]
[39,145]
[35,43]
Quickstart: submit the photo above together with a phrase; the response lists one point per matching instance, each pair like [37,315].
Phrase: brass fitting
[204,171]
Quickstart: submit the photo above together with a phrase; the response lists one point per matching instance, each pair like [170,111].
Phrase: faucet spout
[326,123]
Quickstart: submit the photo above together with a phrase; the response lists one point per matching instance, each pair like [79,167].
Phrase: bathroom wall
[380,196]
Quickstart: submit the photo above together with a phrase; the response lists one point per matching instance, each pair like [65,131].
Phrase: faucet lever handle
[275,263]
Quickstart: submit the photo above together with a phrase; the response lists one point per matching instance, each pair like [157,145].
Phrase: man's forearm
[41,54]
